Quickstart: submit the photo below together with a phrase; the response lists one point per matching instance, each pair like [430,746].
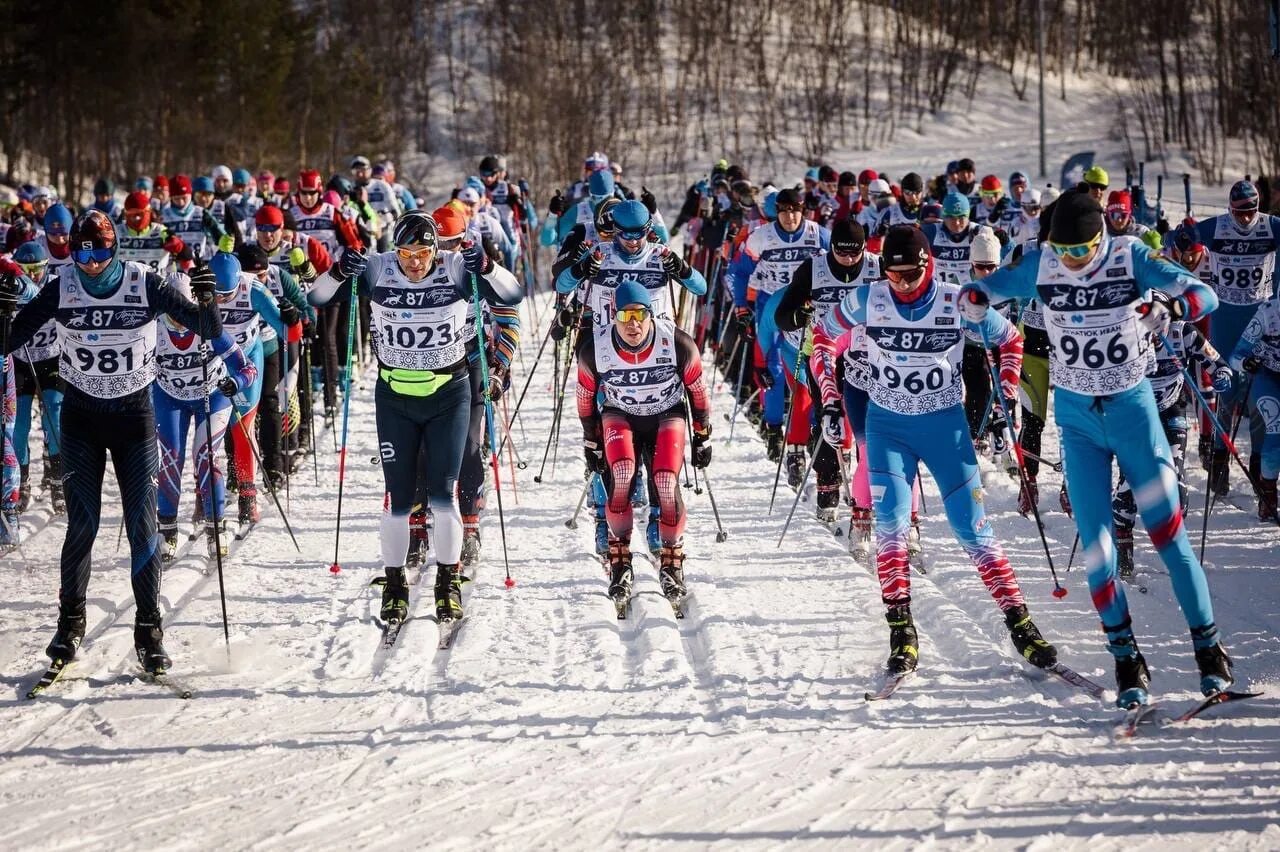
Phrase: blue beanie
[601,183]
[812,174]
[955,204]
[771,206]
[30,252]
[631,293]
[226,272]
[204,183]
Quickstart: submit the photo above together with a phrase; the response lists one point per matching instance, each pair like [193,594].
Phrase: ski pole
[572,523]
[554,436]
[1186,192]
[528,380]
[483,344]
[244,430]
[721,535]
[1074,545]
[1059,591]
[214,510]
[336,566]
[311,411]
[796,502]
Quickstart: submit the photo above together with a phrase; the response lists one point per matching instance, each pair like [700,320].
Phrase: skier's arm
[240,367]
[41,305]
[1251,337]
[851,311]
[163,299]
[570,250]
[1152,271]
[687,277]
[332,287]
[212,226]
[1010,282]
[507,340]
[319,256]
[294,294]
[592,431]
[796,295]
[1197,346]
[497,286]
[996,330]
[689,363]
[740,272]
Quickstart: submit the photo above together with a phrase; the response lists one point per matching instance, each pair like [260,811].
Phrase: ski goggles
[267,229]
[94,255]
[1076,251]
[990,193]
[34,270]
[634,236]
[407,253]
[626,315]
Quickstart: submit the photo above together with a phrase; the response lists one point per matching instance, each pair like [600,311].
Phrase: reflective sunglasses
[1075,250]
[34,270]
[1101,187]
[632,315]
[423,253]
[985,267]
[909,275]
[97,255]
[267,229]
[990,193]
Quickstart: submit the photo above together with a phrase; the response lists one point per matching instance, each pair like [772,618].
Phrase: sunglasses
[990,193]
[633,235]
[985,267]
[33,270]
[424,253]
[909,275]
[790,208]
[1101,187]
[97,255]
[1077,251]
[1030,210]
[632,315]
[853,251]
[267,229]
[487,174]
[308,192]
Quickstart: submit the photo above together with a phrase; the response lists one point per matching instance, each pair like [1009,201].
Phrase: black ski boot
[24,488]
[1220,478]
[167,526]
[773,442]
[1204,447]
[671,573]
[1027,639]
[448,593]
[1212,660]
[148,639]
[1124,551]
[1133,678]
[620,576]
[395,597]
[248,515]
[70,633]
[904,644]
[1267,500]
[54,485]
[828,500]
[795,466]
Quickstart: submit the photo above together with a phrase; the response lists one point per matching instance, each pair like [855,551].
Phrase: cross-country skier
[1102,297]
[195,226]
[1258,354]
[633,376]
[106,311]
[915,336]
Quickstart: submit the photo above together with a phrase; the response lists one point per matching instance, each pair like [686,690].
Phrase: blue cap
[57,221]
[631,216]
[955,204]
[476,184]
[32,251]
[242,177]
[204,183]
[770,205]
[143,183]
[953,166]
[812,174]
[226,271]
[631,293]
[600,183]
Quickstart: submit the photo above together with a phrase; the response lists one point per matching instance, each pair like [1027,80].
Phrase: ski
[390,633]
[1212,701]
[1071,676]
[889,687]
[163,679]
[51,676]
[449,628]
[1134,716]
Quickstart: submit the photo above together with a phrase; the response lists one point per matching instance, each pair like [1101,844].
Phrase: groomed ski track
[550,724]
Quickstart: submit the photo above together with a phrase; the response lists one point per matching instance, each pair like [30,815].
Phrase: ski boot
[639,496]
[148,639]
[53,485]
[395,597]
[773,442]
[418,540]
[1064,500]
[1133,678]
[470,540]
[915,553]
[904,644]
[167,526]
[671,577]
[24,489]
[69,635]
[1267,500]
[860,533]
[827,501]
[277,480]
[652,532]
[10,530]
[1212,660]
[795,466]
[981,446]
[602,534]
[1220,478]
[1124,551]
[448,593]
[620,576]
[216,539]
[1028,497]
[249,514]
[1204,448]
[1027,639]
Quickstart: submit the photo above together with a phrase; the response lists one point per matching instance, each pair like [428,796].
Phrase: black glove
[289,313]
[497,381]
[764,378]
[802,315]
[1001,206]
[474,258]
[1002,236]
[352,263]
[308,330]
[1251,364]
[745,319]
[228,387]
[588,265]
[700,445]
[594,456]
[556,205]
[203,284]
[647,199]
[675,266]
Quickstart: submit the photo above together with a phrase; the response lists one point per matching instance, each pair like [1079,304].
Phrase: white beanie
[985,248]
[1031,197]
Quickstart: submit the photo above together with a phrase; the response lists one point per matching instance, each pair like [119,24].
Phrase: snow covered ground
[552,725]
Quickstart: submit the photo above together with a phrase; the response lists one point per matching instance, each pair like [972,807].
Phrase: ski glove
[1223,376]
[203,284]
[352,263]
[974,305]
[803,315]
[556,206]
[700,445]
[594,456]
[1251,364]
[301,266]
[228,387]
[1156,314]
[289,314]
[476,261]
[833,424]
[744,318]
[675,266]
[646,198]
[588,265]
[764,378]
[497,381]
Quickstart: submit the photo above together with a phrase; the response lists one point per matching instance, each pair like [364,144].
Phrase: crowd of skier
[871,328]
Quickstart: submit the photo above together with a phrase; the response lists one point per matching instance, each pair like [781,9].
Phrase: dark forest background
[128,88]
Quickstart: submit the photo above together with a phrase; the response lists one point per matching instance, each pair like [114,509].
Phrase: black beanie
[253,257]
[912,182]
[1077,219]
[848,236]
[904,245]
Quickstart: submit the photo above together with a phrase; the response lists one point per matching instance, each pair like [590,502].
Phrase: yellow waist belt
[418,383]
